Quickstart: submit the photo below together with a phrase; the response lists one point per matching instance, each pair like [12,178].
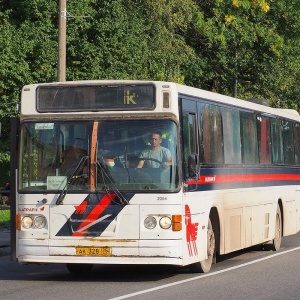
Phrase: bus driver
[157,152]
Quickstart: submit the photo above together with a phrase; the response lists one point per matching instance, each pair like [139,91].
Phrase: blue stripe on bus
[246,177]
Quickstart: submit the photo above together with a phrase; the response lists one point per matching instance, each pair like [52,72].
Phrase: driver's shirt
[162,155]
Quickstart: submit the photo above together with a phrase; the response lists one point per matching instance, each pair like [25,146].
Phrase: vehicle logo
[191,232]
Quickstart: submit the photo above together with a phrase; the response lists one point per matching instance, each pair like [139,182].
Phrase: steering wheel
[158,161]
[152,159]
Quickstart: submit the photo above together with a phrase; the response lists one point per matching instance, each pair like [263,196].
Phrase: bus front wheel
[205,265]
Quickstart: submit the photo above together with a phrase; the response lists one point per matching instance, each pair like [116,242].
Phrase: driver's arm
[140,164]
[168,163]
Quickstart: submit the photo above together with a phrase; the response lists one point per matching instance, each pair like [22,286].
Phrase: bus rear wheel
[205,265]
[79,268]
[275,244]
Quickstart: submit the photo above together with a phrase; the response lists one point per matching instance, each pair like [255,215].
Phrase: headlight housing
[40,222]
[165,222]
[27,222]
[150,222]
[34,222]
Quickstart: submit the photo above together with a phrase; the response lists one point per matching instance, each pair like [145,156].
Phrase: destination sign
[72,98]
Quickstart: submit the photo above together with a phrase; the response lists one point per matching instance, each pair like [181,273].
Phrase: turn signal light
[18,222]
[176,222]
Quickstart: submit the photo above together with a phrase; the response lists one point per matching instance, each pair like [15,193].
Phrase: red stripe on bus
[213,179]
[94,214]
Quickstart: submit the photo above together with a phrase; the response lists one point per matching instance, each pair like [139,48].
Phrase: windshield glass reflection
[119,155]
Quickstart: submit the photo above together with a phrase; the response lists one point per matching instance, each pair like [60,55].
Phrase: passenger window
[276,141]
[288,147]
[231,136]
[297,143]
[249,138]
[264,140]
[212,134]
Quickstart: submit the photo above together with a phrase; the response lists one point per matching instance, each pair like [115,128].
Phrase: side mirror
[192,165]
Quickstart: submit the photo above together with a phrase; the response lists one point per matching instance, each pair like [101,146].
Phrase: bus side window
[212,134]
[288,147]
[249,138]
[297,143]
[189,142]
[277,143]
[264,140]
[231,136]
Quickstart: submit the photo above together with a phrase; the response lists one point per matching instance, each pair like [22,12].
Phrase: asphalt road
[250,274]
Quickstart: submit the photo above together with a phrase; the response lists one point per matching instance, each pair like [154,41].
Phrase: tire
[205,265]
[79,268]
[275,244]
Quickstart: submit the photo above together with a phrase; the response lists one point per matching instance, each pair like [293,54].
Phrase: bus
[228,177]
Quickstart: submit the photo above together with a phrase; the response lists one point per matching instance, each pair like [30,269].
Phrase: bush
[4,219]
[5,169]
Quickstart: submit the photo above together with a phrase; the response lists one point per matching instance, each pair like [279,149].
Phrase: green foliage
[127,40]
[4,219]
[5,168]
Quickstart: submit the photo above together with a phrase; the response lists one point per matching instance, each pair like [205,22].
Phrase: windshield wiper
[107,178]
[75,167]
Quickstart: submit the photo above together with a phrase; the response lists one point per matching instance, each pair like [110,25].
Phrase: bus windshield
[114,155]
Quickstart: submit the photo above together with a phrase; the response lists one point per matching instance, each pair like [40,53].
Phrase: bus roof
[185,90]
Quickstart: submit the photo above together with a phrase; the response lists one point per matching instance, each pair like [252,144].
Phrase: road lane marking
[202,276]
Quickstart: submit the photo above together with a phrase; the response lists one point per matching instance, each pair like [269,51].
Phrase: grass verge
[4,219]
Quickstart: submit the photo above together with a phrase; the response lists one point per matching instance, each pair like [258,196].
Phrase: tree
[246,40]
[27,56]
[126,40]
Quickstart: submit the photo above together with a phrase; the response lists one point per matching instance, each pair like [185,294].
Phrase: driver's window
[189,138]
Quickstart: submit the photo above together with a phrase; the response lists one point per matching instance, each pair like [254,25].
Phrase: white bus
[218,175]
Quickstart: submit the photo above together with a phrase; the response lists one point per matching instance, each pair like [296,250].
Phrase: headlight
[150,222]
[27,222]
[165,222]
[34,222]
[40,222]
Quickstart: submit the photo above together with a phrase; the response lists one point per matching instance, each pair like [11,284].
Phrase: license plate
[93,251]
